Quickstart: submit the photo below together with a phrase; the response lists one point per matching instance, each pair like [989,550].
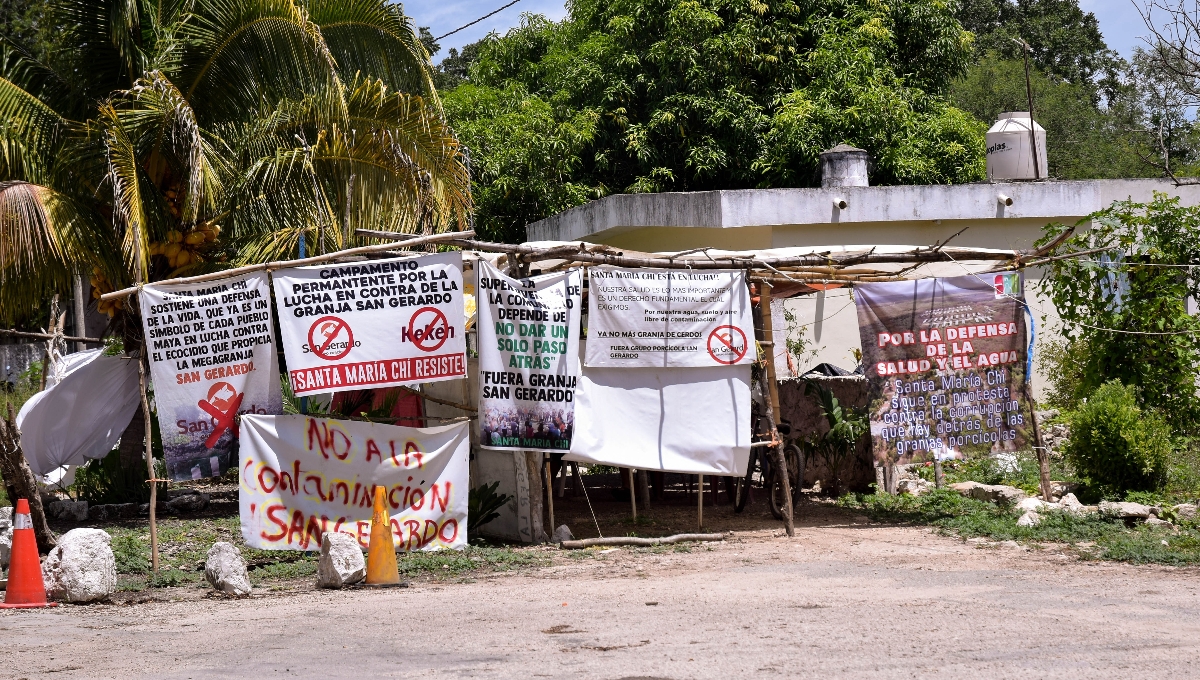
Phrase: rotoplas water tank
[1008,151]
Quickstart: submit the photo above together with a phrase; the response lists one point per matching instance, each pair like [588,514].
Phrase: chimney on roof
[844,166]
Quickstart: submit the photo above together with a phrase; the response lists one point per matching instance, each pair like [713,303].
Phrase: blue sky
[1119,20]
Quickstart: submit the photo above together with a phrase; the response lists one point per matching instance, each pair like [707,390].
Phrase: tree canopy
[152,139]
[685,95]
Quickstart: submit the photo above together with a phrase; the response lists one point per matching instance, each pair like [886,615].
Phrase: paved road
[851,600]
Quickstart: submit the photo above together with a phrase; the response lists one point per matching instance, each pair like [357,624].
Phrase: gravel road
[850,599]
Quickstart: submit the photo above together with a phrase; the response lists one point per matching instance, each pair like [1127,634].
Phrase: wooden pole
[47,336]
[549,494]
[149,466]
[938,480]
[699,501]
[286,264]
[632,494]
[764,315]
[1043,455]
[80,311]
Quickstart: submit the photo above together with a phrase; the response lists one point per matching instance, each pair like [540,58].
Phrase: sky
[1120,22]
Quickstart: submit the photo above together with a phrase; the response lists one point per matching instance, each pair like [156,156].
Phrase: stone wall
[15,359]
[804,414]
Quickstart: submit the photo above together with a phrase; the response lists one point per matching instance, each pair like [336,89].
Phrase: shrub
[1116,444]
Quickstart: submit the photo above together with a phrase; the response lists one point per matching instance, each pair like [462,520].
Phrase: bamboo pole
[1043,455]
[286,264]
[549,494]
[47,336]
[149,466]
[764,312]
[632,494]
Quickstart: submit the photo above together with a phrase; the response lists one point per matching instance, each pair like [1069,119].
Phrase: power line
[485,16]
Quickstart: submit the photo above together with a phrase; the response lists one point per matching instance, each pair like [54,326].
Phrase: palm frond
[29,132]
[129,205]
[375,39]
[243,57]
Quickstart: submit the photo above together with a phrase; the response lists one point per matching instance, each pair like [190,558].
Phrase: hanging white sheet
[82,417]
[694,420]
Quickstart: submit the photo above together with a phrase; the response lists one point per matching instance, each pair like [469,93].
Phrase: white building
[1007,215]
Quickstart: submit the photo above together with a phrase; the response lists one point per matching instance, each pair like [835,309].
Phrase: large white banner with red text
[212,357]
[303,476]
[372,324]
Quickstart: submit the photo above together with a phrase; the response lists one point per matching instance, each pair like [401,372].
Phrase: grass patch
[453,562]
[1104,538]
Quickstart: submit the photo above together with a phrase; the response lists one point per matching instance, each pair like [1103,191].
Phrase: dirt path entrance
[845,598]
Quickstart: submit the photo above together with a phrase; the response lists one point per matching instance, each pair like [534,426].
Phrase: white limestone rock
[1034,504]
[341,562]
[81,568]
[226,571]
[1029,519]
[1124,510]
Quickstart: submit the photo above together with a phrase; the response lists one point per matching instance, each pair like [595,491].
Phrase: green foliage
[1118,445]
[18,392]
[482,504]
[1064,41]
[107,481]
[1093,536]
[1062,361]
[1085,141]
[131,553]
[1128,304]
[837,445]
[688,95]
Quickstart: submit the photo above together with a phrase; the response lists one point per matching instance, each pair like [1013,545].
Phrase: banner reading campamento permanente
[212,357]
[528,359]
[372,324]
[946,360]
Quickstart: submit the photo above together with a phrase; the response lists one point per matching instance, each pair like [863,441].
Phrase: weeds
[1101,538]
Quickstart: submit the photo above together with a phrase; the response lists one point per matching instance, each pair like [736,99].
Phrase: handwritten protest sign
[372,324]
[302,476]
[668,318]
[212,358]
[946,359]
[528,359]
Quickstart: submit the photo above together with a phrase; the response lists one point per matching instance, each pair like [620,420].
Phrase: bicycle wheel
[741,494]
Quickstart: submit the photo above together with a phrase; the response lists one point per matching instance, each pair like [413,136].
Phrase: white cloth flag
[694,420]
[302,476]
[668,318]
[212,357]
[82,417]
[372,324]
[528,359]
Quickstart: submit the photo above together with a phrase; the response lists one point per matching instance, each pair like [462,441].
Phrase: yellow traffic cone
[381,553]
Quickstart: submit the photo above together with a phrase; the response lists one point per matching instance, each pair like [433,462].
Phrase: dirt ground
[845,598]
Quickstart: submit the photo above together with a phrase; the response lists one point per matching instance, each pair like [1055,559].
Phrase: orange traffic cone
[381,553]
[25,587]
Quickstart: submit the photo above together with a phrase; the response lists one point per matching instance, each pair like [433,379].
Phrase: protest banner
[372,324]
[668,318]
[528,359]
[693,420]
[212,358]
[946,360]
[302,476]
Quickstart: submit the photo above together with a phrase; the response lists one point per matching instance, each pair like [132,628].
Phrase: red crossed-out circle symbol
[222,405]
[330,338]
[428,328]
[727,344]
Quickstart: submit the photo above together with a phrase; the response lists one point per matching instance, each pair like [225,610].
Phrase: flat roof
[1065,201]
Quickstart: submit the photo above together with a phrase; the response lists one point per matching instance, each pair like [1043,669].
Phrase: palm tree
[171,137]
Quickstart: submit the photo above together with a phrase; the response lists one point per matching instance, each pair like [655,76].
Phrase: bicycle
[760,461]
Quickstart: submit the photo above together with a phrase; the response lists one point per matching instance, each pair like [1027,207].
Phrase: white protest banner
[668,318]
[694,420]
[528,359]
[372,324]
[303,476]
[212,357]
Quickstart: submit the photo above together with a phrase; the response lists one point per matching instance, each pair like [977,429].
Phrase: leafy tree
[1065,42]
[1083,140]
[1128,303]
[683,95]
[172,138]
